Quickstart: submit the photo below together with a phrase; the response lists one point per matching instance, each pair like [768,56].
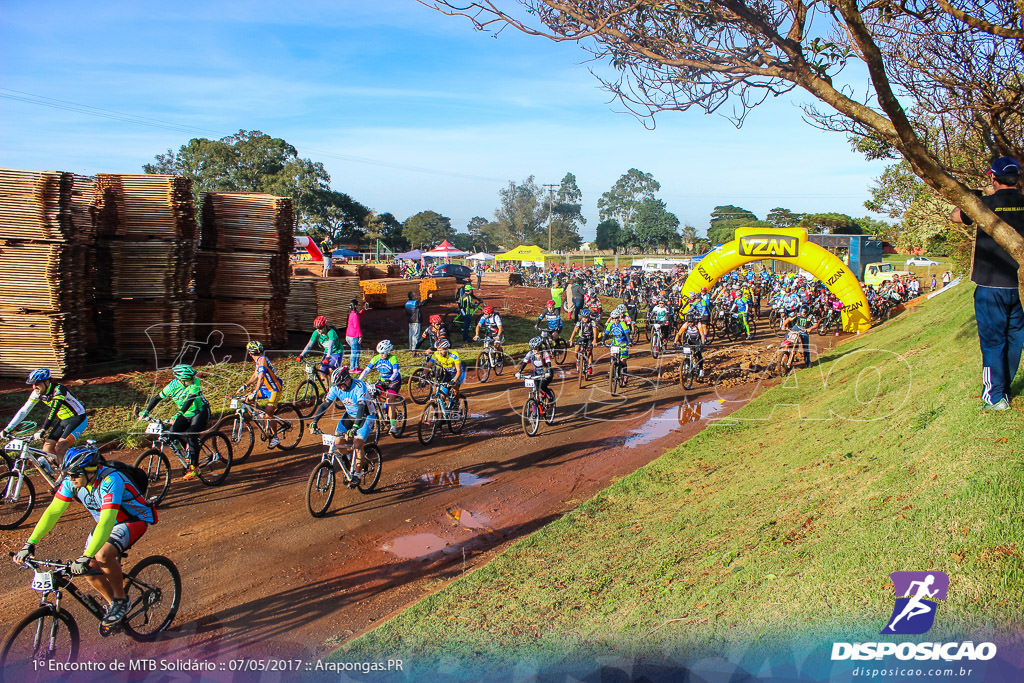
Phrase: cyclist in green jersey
[328,339]
[63,424]
[193,411]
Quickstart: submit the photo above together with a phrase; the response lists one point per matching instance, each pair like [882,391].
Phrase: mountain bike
[537,406]
[556,347]
[490,359]
[830,322]
[657,341]
[419,382]
[310,391]
[582,363]
[17,493]
[241,428]
[389,405]
[441,409]
[320,487]
[214,460]
[50,633]
[616,378]
[690,368]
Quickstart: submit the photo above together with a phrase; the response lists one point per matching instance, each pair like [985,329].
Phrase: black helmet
[339,376]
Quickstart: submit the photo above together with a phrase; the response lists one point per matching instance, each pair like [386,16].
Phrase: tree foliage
[426,229]
[929,63]
[783,218]
[623,199]
[607,235]
[655,226]
[725,220]
[520,214]
[567,215]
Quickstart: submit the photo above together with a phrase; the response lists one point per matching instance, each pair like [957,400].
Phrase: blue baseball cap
[1006,166]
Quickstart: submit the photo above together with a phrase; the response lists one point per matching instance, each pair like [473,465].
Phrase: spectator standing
[415,317]
[354,333]
[468,303]
[934,286]
[478,267]
[997,306]
[947,276]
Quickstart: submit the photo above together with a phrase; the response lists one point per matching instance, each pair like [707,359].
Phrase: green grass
[785,519]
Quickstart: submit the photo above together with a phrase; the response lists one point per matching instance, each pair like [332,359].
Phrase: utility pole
[551,203]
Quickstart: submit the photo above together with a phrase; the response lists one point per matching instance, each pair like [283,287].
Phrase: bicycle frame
[337,459]
[172,440]
[255,414]
[29,455]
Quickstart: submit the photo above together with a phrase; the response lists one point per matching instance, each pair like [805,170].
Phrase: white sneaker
[275,442]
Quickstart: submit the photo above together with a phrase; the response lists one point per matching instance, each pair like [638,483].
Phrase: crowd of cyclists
[648,300]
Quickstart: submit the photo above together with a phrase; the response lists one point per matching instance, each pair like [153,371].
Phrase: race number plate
[15,445]
[614,350]
[42,581]
[327,439]
[154,428]
[234,403]
[309,370]
[687,350]
[528,383]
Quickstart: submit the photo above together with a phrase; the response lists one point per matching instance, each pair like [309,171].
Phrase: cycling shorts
[347,422]
[272,396]
[71,427]
[330,361]
[124,535]
[391,386]
[584,342]
[623,350]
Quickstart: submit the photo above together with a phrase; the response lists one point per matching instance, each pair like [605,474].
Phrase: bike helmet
[536,343]
[183,372]
[255,348]
[77,460]
[320,321]
[435,319]
[691,317]
[488,310]
[339,376]
[615,314]
[385,347]
[620,309]
[803,310]
[550,302]
[585,313]
[37,376]
[703,290]
[443,343]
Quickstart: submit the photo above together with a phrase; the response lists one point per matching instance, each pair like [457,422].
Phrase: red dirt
[262,578]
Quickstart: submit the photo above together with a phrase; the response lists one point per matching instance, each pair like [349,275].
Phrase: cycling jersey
[387,368]
[188,397]
[540,360]
[585,330]
[61,403]
[448,363]
[355,396]
[266,377]
[329,341]
[660,314]
[618,331]
[691,335]
[114,492]
[553,319]
[491,323]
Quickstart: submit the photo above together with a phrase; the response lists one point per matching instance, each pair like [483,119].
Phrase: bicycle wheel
[429,422]
[320,488]
[559,351]
[498,363]
[289,433]
[240,433]
[549,412]
[483,367]
[158,472]
[43,636]
[689,373]
[214,458]
[581,368]
[16,500]
[371,469]
[153,588]
[419,386]
[457,418]
[305,398]
[531,417]
[655,344]
[613,378]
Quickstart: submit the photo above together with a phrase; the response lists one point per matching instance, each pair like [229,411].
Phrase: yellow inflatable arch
[792,246]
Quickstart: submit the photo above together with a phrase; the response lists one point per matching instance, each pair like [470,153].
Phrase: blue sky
[408,109]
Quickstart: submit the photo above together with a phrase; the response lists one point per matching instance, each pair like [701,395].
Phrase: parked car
[877,273]
[920,261]
[462,274]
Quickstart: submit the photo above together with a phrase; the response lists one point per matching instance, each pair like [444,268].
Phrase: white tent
[480,256]
[445,250]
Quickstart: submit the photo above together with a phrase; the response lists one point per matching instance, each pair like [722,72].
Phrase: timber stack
[242,277]
[145,255]
[327,296]
[44,292]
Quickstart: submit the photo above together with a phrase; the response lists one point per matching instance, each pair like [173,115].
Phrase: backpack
[134,474]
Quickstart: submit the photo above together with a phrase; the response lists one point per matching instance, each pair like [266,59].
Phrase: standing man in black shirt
[997,306]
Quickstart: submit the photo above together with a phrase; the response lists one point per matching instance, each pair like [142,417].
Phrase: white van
[651,265]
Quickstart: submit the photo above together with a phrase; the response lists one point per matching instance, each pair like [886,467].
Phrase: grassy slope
[786,519]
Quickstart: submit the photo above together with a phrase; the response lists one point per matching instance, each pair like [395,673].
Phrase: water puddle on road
[668,421]
[452,479]
[416,545]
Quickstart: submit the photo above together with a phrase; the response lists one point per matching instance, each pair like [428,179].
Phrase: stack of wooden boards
[145,255]
[394,292]
[495,279]
[327,296]
[242,275]
[45,232]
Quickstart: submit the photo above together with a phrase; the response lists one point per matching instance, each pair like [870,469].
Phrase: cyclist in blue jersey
[65,421]
[358,420]
[385,363]
[740,306]
[121,513]
[550,319]
[618,329]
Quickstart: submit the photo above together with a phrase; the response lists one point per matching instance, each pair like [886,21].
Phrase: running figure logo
[917,596]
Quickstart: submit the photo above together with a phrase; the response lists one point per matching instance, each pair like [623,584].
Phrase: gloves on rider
[81,565]
[37,435]
[4,434]
[27,551]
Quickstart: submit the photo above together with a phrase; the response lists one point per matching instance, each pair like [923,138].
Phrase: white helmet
[385,347]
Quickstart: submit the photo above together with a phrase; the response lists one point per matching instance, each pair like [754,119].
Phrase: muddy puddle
[669,420]
[452,479]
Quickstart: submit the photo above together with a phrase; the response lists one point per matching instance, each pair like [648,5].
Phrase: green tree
[336,218]
[623,199]
[521,216]
[725,220]
[830,223]
[607,235]
[426,229]
[783,218]
[481,230]
[250,161]
[655,225]
[386,228]
[463,241]
[567,215]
